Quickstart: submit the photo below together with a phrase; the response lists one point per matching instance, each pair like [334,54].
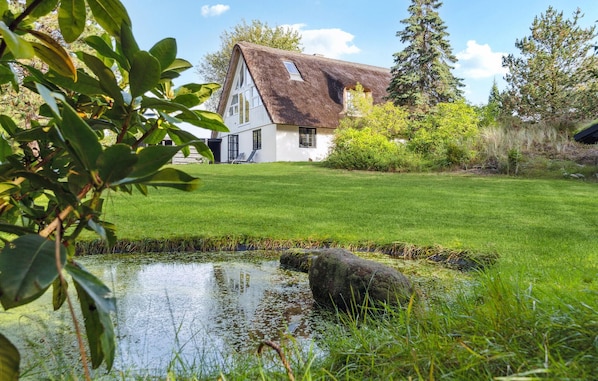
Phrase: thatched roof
[317,101]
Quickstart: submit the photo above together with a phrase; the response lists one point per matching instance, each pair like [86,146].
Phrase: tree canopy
[553,80]
[214,66]
[421,75]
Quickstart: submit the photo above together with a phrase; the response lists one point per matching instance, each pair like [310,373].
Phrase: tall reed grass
[533,150]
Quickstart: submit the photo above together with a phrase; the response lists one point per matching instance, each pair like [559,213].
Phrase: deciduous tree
[214,66]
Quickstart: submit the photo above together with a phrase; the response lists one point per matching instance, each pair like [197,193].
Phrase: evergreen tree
[421,76]
[490,113]
[552,81]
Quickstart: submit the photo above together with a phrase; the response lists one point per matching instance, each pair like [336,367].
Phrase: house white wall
[287,144]
[281,143]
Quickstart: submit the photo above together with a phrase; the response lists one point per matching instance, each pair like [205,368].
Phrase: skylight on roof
[292,69]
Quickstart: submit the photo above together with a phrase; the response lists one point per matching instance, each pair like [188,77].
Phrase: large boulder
[338,278]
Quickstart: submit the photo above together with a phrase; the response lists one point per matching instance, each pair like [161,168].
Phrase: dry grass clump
[532,149]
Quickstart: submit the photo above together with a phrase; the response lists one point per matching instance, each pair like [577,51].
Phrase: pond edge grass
[459,259]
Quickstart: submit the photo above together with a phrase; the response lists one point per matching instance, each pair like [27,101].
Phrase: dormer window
[293,71]
[357,99]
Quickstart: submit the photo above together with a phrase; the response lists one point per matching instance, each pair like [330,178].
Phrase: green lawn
[533,315]
[538,227]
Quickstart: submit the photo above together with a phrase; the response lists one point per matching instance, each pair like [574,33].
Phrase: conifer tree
[552,80]
[421,76]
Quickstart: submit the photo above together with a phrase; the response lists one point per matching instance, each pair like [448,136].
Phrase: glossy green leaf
[115,163]
[6,74]
[204,119]
[105,76]
[27,269]
[182,137]
[144,74]
[42,8]
[71,19]
[151,159]
[59,293]
[81,139]
[5,149]
[48,97]
[105,230]
[102,46]
[110,14]
[85,84]
[16,44]
[59,59]
[201,91]
[179,65]
[9,125]
[128,45]
[41,181]
[10,360]
[3,6]
[162,105]
[100,293]
[168,177]
[15,229]
[156,137]
[96,305]
[165,51]
[36,76]
[187,100]
[55,60]
[8,188]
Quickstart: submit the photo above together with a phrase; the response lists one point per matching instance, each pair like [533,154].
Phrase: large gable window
[244,96]
[307,137]
[293,71]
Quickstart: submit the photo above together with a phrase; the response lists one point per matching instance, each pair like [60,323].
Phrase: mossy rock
[297,259]
[341,279]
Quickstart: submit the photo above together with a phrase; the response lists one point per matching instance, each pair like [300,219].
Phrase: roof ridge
[252,45]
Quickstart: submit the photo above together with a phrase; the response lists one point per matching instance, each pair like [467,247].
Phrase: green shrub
[447,134]
[362,149]
[385,119]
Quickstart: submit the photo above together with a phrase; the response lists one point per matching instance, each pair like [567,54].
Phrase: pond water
[195,308]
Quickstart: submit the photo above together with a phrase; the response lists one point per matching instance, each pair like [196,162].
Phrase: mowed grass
[543,230]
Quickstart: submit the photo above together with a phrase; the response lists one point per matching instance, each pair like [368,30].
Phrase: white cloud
[214,10]
[331,43]
[479,61]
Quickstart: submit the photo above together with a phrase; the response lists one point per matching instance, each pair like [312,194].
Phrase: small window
[293,71]
[257,139]
[307,137]
[234,106]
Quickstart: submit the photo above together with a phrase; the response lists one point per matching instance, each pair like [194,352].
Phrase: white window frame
[307,137]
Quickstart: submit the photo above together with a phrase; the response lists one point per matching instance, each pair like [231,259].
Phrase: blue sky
[354,30]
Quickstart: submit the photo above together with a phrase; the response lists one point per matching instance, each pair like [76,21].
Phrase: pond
[186,308]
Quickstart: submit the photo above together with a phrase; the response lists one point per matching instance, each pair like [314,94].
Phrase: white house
[285,105]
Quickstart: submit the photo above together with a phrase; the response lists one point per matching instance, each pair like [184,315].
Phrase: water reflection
[200,310]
